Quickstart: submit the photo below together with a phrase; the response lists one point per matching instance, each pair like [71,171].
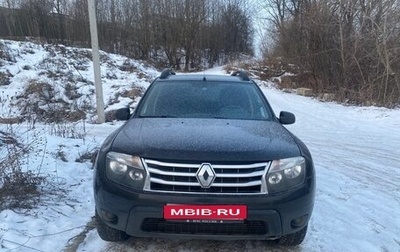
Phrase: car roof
[238,76]
[202,77]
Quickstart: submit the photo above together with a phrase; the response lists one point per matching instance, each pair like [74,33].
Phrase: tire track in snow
[150,245]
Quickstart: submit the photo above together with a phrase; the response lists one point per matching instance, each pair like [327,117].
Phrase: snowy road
[357,158]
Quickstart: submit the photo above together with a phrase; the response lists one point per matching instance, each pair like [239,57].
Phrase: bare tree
[351,46]
[184,31]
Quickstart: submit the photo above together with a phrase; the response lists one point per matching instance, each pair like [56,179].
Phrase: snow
[357,157]
[355,149]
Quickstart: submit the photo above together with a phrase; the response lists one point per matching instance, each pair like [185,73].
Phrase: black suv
[204,156]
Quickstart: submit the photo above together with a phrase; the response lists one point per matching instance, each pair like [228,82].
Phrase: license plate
[205,212]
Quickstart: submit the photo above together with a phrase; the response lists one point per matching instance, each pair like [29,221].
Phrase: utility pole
[96,62]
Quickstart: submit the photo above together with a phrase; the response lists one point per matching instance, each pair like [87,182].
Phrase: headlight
[125,170]
[285,174]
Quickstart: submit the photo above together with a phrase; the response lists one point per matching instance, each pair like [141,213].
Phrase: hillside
[48,139]
[54,83]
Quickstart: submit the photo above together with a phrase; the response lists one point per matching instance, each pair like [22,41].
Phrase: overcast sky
[258,15]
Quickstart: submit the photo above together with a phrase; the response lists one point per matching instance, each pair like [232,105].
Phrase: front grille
[241,178]
[241,228]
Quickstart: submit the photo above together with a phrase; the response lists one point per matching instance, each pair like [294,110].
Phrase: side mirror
[123,114]
[286,118]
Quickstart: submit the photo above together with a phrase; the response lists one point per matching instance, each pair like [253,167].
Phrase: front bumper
[268,216]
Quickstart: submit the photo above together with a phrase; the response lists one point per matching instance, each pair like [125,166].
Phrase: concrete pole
[96,62]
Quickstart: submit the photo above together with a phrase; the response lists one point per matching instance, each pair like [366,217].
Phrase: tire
[293,239]
[107,233]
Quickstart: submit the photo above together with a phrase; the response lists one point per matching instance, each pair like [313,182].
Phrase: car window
[184,99]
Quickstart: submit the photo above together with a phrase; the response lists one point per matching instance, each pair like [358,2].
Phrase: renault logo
[205,175]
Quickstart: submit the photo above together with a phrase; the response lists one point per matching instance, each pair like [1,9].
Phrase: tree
[180,32]
[38,12]
[352,46]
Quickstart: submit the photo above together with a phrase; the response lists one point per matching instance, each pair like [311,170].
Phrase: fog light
[298,222]
[109,217]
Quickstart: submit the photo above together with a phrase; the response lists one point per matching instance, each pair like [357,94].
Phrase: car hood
[205,139]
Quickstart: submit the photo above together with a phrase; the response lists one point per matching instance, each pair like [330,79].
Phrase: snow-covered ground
[356,153]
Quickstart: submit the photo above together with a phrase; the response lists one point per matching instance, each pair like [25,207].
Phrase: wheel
[293,239]
[108,233]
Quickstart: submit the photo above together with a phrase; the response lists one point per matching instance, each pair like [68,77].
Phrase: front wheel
[293,239]
[108,233]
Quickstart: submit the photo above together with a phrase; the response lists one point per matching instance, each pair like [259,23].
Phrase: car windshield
[197,99]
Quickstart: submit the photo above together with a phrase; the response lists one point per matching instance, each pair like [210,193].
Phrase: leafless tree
[350,45]
[185,31]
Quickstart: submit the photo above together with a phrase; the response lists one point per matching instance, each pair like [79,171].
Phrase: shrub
[41,101]
[19,189]
[5,78]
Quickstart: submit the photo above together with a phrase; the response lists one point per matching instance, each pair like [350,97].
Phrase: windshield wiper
[158,116]
[221,117]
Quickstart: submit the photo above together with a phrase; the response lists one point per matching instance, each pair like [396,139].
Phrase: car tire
[293,239]
[107,233]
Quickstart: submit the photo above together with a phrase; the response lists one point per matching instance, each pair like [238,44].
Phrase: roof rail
[166,72]
[242,74]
